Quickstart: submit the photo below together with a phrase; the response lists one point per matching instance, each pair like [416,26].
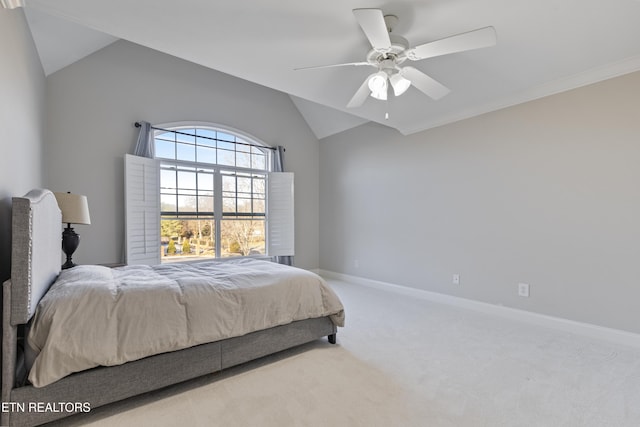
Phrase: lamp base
[70,242]
[68,264]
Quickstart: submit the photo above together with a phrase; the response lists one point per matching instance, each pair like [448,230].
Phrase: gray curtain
[278,159]
[278,166]
[145,146]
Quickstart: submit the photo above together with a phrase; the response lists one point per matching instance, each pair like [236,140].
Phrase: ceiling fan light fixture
[378,86]
[379,95]
[399,84]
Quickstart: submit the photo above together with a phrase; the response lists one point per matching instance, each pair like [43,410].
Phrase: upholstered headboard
[36,251]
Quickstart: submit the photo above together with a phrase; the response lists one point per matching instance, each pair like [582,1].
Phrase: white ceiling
[544,47]
[61,42]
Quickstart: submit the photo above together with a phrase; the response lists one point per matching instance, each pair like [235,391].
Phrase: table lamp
[75,210]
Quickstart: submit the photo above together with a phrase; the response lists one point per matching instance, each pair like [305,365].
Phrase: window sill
[177,260]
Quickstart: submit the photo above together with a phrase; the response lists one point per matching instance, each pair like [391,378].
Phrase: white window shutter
[280,214]
[142,210]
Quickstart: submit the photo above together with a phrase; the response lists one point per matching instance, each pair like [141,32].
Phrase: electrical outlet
[456,279]
[523,289]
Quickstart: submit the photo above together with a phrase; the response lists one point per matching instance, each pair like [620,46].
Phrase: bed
[67,369]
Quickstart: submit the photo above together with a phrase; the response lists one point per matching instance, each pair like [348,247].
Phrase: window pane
[226,137]
[169,136]
[205,181]
[258,161]
[229,183]
[167,178]
[243,146]
[186,152]
[206,137]
[209,133]
[190,138]
[206,154]
[205,204]
[244,205]
[187,239]
[259,206]
[243,160]
[242,237]
[168,203]
[258,187]
[244,185]
[187,204]
[226,157]
[165,149]
[186,180]
[228,205]
[224,145]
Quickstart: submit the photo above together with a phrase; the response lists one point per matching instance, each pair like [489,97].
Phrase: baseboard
[585,329]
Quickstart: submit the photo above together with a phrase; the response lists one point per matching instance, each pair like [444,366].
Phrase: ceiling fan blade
[361,94]
[424,83]
[372,23]
[355,64]
[476,39]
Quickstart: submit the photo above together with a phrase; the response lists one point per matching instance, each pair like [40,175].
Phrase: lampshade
[399,84]
[74,207]
[378,86]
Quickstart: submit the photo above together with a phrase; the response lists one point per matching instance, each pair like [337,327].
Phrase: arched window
[213,190]
[212,193]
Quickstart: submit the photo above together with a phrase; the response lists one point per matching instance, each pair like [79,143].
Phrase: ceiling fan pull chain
[386,104]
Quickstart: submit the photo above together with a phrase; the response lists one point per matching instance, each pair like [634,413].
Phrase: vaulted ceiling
[543,47]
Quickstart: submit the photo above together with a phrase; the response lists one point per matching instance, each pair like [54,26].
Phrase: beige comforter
[95,315]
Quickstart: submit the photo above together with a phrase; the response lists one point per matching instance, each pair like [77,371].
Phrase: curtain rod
[137,124]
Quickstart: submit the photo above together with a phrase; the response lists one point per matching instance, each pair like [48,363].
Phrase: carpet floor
[401,362]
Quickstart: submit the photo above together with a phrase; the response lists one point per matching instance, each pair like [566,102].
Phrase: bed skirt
[103,385]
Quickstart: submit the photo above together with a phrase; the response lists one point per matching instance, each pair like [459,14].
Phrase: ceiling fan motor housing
[396,52]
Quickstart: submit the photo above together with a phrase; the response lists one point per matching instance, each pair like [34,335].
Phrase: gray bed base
[103,385]
[35,263]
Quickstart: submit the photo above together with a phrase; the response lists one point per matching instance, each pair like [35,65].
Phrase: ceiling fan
[389,51]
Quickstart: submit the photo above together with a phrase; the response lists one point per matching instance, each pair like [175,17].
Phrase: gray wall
[544,193]
[91,108]
[21,121]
